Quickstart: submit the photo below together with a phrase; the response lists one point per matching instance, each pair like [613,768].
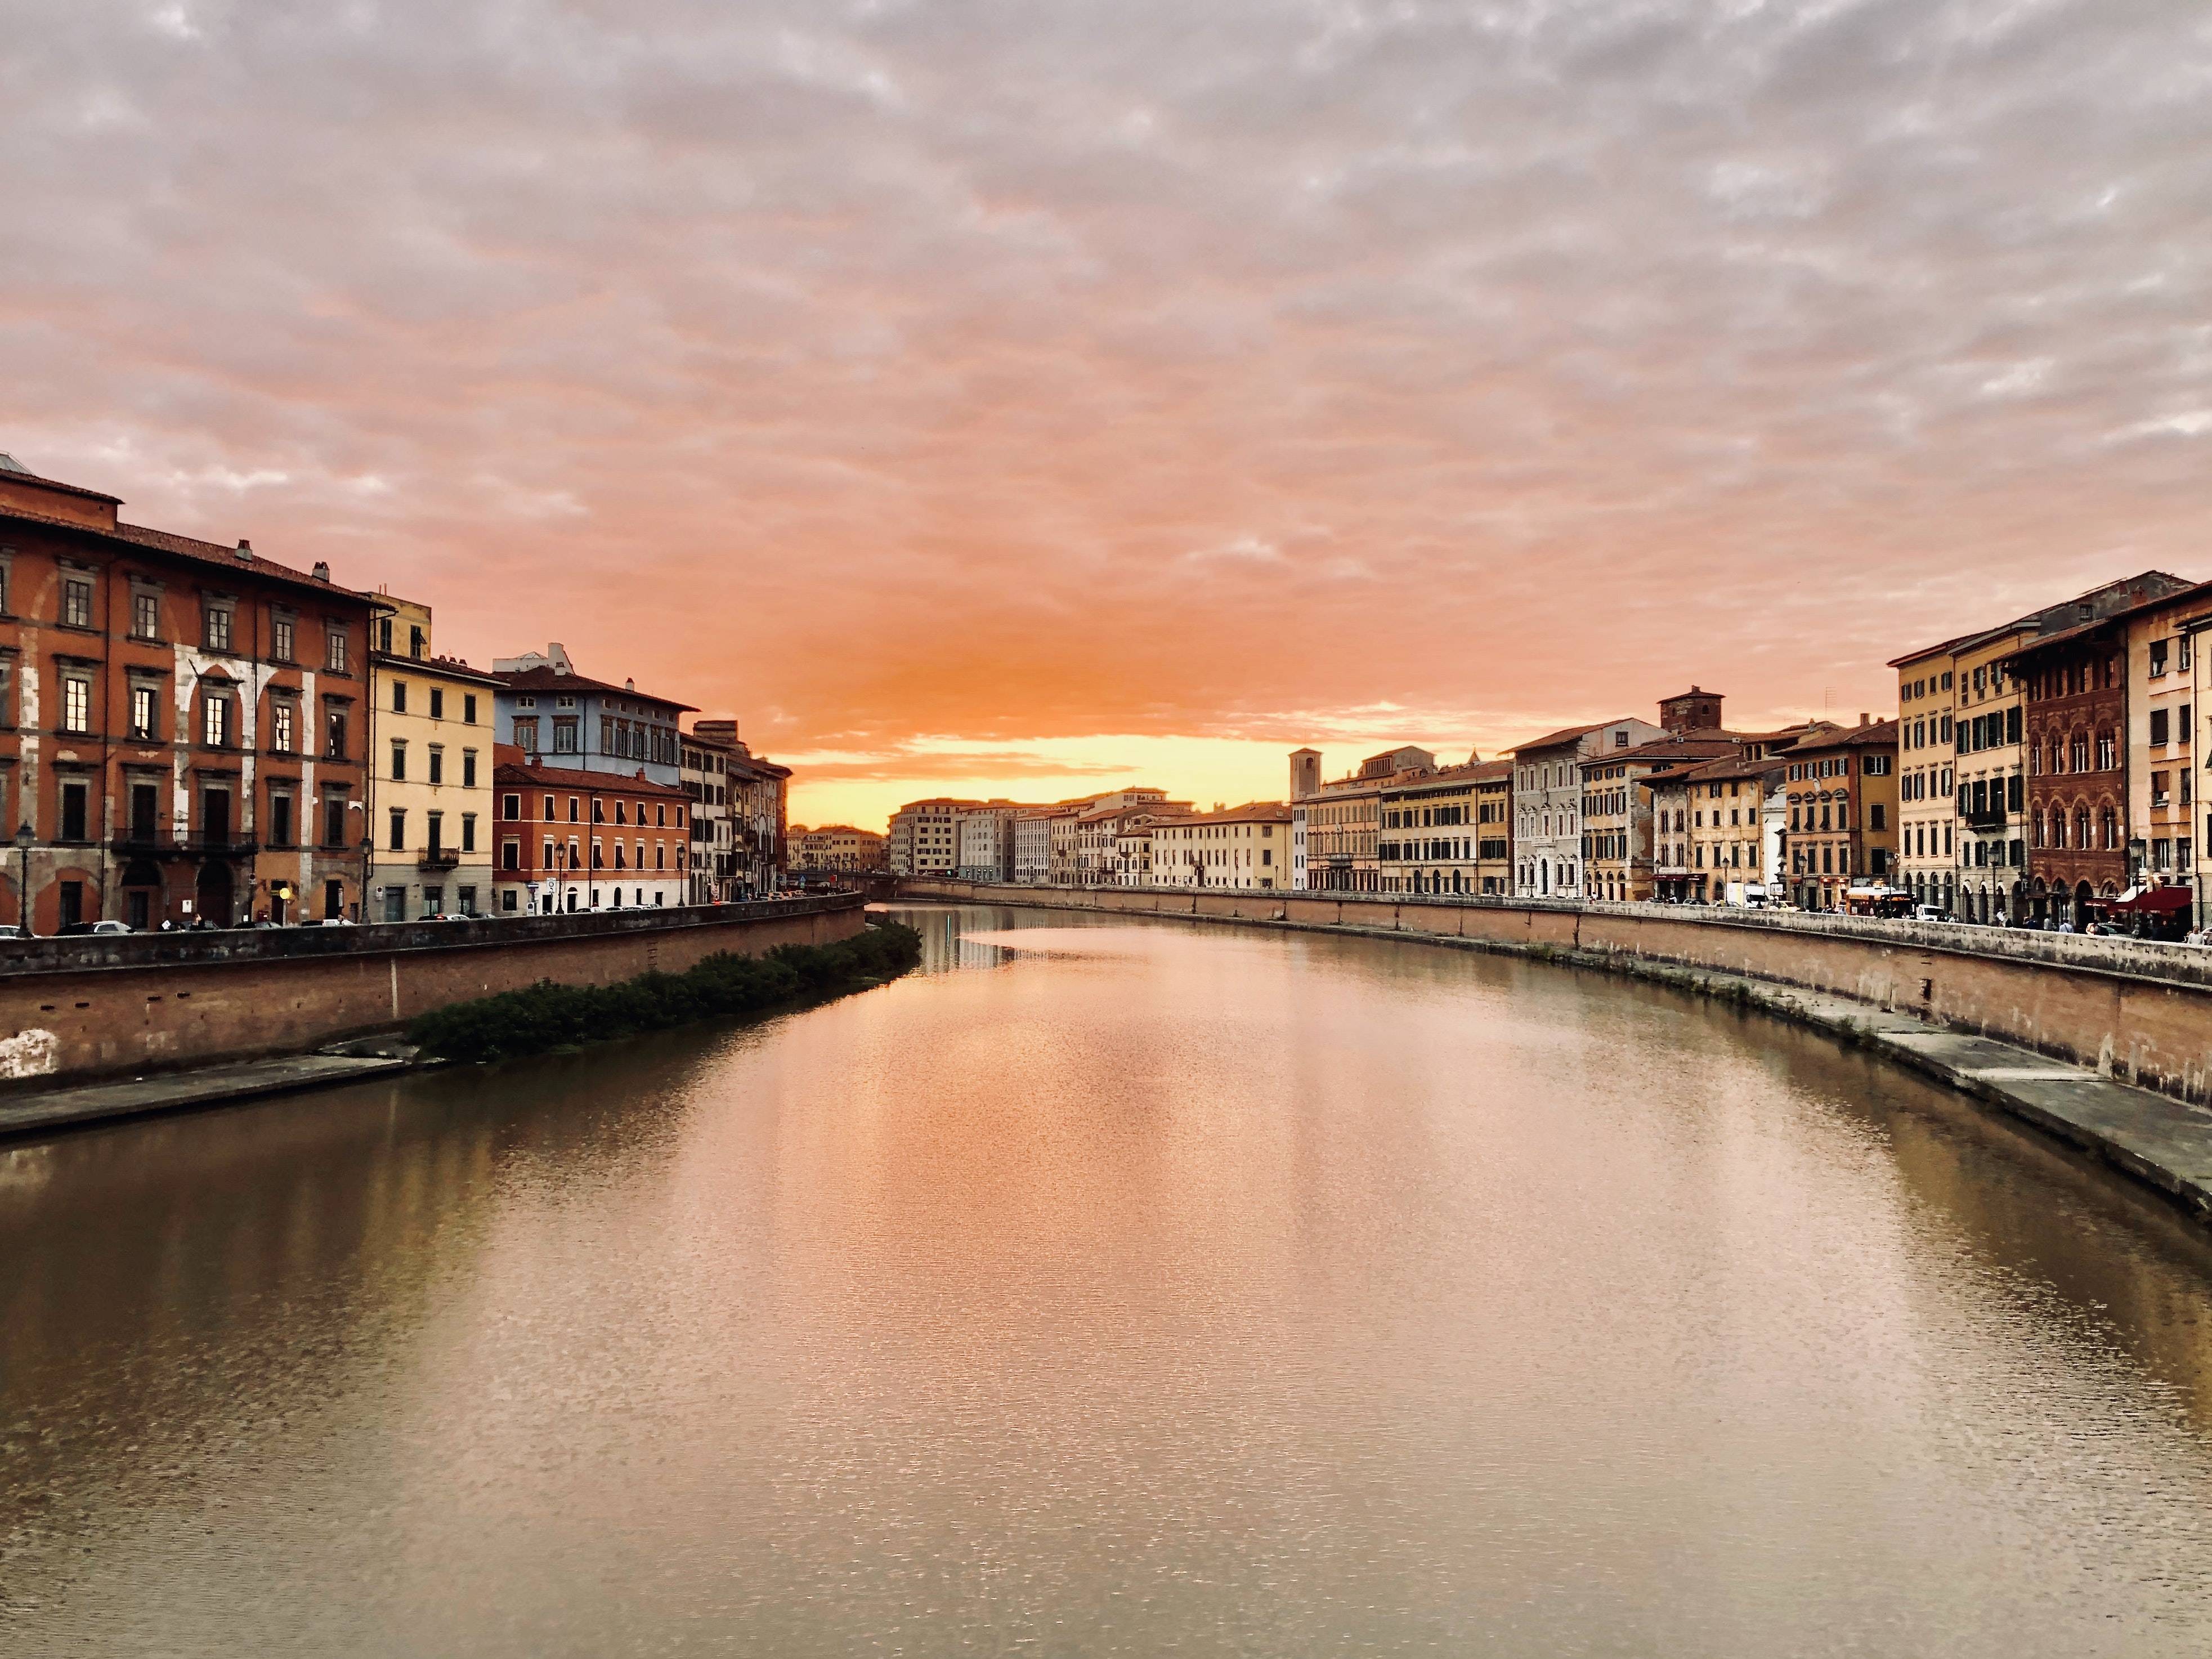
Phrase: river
[1110,1288]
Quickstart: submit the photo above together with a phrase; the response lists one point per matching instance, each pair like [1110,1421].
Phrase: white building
[1033,839]
[1547,802]
[983,841]
[923,836]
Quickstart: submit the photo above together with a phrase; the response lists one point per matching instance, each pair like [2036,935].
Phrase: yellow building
[430,765]
[1244,848]
[1429,842]
[1344,818]
[838,847]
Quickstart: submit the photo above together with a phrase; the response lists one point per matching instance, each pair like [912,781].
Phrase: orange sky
[1030,401]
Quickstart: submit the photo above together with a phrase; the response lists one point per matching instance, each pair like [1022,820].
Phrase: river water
[1110,1288]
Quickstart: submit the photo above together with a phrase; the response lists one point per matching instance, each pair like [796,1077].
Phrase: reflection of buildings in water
[2137,1284]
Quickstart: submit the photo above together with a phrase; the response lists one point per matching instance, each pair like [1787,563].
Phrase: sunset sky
[1031,398]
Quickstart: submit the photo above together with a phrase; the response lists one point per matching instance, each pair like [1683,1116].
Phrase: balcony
[1985,817]
[438,859]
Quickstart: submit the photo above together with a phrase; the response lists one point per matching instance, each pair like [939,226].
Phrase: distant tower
[1694,710]
[1306,773]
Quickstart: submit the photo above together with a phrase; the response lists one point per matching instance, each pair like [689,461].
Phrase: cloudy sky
[1024,398]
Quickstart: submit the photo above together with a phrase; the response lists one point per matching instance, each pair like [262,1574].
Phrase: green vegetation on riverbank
[549,1016]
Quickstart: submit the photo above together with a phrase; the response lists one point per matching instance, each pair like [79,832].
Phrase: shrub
[548,1016]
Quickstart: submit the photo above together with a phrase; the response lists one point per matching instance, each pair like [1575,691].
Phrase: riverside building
[1841,791]
[1239,848]
[573,840]
[924,837]
[1429,841]
[430,782]
[1344,818]
[558,717]
[1547,802]
[182,724]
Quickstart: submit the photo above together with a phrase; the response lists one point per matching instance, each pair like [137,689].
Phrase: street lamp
[24,837]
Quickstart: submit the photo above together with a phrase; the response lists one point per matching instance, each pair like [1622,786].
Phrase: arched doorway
[214,893]
[2083,895]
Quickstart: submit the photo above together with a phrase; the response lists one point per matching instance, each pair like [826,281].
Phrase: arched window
[2108,830]
[2078,752]
[2081,829]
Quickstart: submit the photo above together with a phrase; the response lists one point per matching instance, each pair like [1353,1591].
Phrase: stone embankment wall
[2138,1011]
[77,1009]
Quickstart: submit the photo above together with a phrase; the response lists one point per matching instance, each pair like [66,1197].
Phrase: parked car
[1928,913]
[9,930]
[77,928]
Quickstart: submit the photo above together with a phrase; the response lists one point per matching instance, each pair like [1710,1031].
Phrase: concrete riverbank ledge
[2104,1043]
[92,1009]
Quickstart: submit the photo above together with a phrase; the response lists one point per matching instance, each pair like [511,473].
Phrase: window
[436,832]
[77,704]
[525,736]
[417,643]
[76,601]
[384,635]
[510,807]
[437,703]
[334,651]
[283,728]
[399,761]
[280,638]
[2160,723]
[75,797]
[280,820]
[398,830]
[437,765]
[2106,752]
[2158,654]
[564,737]
[145,812]
[510,855]
[334,817]
[468,832]
[468,708]
[215,626]
[145,615]
[334,734]
[399,696]
[468,768]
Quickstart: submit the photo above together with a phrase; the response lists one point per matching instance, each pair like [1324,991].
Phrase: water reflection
[1110,1288]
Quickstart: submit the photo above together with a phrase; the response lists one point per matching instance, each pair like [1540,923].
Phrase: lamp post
[24,837]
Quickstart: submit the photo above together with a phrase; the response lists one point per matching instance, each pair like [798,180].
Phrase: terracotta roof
[1558,738]
[548,679]
[1873,734]
[1258,812]
[1676,748]
[187,547]
[556,777]
[15,469]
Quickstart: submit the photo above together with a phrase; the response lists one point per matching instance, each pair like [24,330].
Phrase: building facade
[1547,802]
[1241,848]
[1344,817]
[1034,863]
[760,810]
[572,840]
[430,763]
[1429,841]
[182,724]
[560,718]
[2162,710]
[1620,827]
[840,849]
[706,782]
[924,837]
[1841,791]
[983,841]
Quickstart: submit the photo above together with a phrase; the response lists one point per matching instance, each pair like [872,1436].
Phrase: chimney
[1863,718]
[245,550]
[629,685]
[322,570]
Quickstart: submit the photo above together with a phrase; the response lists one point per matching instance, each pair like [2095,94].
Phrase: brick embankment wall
[74,1010]
[2134,1011]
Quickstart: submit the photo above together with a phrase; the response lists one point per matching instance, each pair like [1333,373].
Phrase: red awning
[2158,901]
